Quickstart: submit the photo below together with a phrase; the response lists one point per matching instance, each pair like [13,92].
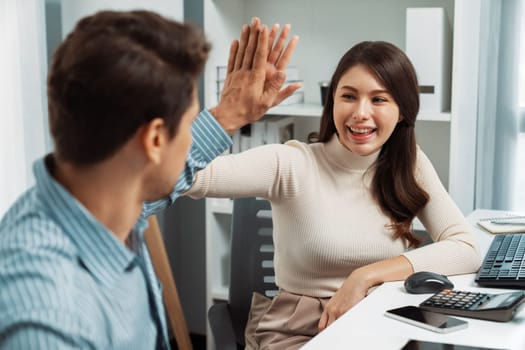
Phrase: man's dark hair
[115,72]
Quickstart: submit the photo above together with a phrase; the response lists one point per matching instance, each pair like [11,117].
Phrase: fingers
[231,57]
[249,47]
[271,37]
[331,319]
[245,35]
[273,85]
[261,53]
[326,320]
[287,54]
[323,321]
[279,45]
[252,45]
[286,92]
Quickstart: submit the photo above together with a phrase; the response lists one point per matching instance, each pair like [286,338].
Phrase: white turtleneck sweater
[326,223]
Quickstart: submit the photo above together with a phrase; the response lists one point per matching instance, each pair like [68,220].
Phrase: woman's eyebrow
[348,87]
[380,91]
[377,91]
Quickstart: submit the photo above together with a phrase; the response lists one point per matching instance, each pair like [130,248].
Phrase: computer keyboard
[503,265]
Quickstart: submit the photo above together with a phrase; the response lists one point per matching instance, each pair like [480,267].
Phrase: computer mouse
[427,282]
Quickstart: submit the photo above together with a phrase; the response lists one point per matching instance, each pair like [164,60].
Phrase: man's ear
[154,137]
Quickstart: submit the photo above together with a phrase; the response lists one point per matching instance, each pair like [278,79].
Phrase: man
[74,268]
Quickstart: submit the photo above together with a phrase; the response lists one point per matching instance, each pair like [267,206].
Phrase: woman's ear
[400,118]
[153,138]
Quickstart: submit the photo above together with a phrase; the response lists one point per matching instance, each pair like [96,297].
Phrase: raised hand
[255,75]
[279,56]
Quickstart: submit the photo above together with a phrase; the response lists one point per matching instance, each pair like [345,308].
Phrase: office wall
[72,11]
[22,98]
[317,53]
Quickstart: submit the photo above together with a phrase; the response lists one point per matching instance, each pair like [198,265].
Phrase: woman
[343,206]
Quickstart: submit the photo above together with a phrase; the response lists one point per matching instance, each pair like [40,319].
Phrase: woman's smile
[365,114]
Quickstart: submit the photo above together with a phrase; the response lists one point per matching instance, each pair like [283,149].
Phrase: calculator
[485,306]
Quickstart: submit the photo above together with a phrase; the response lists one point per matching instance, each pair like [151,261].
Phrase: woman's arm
[356,286]
[454,250]
[270,171]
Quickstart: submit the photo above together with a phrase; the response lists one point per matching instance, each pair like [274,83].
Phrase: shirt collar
[345,158]
[98,248]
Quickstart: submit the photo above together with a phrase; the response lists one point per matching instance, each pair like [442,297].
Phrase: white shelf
[219,293]
[221,205]
[298,109]
[433,116]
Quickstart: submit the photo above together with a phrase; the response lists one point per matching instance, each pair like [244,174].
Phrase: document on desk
[503,224]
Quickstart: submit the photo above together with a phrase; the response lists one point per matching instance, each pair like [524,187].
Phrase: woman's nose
[362,111]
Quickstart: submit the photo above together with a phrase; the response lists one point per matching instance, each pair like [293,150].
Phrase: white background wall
[22,95]
[318,53]
[72,11]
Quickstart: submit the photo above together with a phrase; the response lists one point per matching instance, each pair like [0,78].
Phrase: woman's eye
[378,99]
[348,96]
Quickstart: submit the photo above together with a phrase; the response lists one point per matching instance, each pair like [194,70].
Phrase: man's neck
[109,191]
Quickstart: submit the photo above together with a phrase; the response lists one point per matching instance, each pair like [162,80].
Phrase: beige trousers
[287,321]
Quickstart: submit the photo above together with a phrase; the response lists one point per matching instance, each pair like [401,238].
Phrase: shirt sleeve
[209,141]
[447,227]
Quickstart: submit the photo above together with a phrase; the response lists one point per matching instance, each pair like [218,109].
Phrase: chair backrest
[159,258]
[251,258]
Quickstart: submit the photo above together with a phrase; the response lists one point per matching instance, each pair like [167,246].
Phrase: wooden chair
[170,295]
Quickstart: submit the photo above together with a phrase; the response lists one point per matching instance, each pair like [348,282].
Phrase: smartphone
[427,319]
[427,345]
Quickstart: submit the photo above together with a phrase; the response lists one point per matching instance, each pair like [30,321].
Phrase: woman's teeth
[361,130]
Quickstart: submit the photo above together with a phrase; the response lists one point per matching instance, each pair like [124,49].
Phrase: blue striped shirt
[66,282]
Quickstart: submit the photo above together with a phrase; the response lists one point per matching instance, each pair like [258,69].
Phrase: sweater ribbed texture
[326,222]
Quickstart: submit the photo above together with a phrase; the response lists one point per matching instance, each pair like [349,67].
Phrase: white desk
[365,326]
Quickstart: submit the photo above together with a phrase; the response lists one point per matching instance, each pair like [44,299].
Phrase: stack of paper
[503,224]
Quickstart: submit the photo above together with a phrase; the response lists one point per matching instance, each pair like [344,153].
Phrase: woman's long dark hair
[394,185]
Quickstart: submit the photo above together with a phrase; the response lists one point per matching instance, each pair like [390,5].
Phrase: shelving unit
[327,30]
[299,110]
[218,221]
